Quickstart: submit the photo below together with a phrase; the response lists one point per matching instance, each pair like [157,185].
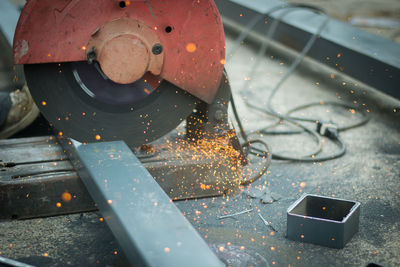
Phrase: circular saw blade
[106,111]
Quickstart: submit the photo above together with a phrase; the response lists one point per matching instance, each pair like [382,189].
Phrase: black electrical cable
[364,120]
[265,130]
[294,120]
[248,144]
[265,154]
[262,51]
[249,149]
[332,131]
[294,65]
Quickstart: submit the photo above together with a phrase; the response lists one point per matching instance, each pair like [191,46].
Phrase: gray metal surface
[4,262]
[148,226]
[326,221]
[362,55]
[14,77]
[9,15]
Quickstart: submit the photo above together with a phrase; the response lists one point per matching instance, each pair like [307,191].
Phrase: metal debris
[264,194]
[267,223]
[235,214]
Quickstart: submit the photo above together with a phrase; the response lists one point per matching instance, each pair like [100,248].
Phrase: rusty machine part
[121,70]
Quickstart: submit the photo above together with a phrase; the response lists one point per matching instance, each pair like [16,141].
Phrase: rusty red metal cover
[190,31]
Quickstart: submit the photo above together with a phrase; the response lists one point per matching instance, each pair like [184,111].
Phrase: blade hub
[124,50]
[124,59]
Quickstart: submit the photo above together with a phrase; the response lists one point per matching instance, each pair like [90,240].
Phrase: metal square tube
[148,226]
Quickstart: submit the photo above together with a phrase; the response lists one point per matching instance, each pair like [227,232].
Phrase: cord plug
[328,129]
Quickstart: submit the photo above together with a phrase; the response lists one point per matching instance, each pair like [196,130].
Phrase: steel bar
[362,55]
[148,226]
[4,262]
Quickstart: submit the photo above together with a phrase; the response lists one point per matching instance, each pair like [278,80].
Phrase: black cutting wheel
[82,103]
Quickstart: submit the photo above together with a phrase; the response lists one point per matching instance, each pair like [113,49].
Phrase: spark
[66,197]
[204,186]
[214,154]
[58,205]
[191,47]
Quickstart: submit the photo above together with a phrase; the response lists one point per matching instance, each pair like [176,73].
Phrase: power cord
[248,148]
[327,129]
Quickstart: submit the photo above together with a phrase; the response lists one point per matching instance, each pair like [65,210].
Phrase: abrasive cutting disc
[86,106]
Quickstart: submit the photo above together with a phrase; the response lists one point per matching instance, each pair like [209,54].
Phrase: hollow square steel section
[326,221]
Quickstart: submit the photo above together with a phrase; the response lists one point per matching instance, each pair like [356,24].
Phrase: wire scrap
[267,223]
[235,214]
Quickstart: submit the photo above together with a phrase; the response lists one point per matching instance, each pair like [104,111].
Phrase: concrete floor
[368,173]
